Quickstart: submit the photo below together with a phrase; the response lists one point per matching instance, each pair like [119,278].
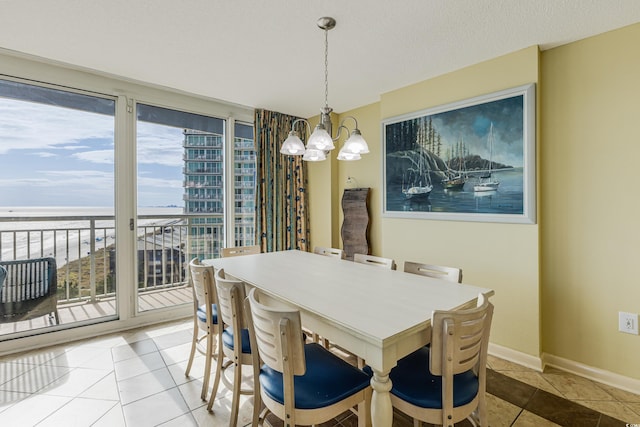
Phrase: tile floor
[137,379]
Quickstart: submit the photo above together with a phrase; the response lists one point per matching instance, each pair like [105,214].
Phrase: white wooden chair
[205,319]
[452,274]
[375,261]
[240,250]
[234,339]
[446,383]
[335,253]
[332,252]
[324,385]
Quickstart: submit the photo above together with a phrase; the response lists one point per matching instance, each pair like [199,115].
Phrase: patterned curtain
[282,216]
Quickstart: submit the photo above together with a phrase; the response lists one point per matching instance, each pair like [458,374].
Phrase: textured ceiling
[270,54]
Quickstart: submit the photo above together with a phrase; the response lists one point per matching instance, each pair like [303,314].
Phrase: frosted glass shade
[320,140]
[346,156]
[356,144]
[293,145]
[312,155]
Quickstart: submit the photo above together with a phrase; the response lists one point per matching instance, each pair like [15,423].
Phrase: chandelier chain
[326,68]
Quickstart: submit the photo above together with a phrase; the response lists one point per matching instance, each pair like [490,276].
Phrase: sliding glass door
[185,162]
[57,182]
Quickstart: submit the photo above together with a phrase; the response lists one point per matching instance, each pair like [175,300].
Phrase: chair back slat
[332,252]
[277,331]
[452,274]
[29,290]
[231,295]
[459,338]
[240,250]
[375,261]
[202,279]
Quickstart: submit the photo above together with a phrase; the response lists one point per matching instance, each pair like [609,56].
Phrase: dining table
[378,314]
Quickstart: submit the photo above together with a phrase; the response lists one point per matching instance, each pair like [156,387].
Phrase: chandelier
[320,142]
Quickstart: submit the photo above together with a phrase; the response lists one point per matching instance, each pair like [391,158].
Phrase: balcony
[84,249]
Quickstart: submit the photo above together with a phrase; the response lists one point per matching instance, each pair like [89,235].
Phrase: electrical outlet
[628,323]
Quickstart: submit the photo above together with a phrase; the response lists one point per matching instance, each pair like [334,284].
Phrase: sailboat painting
[471,160]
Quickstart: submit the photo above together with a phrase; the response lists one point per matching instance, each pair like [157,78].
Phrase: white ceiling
[270,54]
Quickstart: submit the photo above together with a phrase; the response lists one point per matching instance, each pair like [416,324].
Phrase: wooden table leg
[381,409]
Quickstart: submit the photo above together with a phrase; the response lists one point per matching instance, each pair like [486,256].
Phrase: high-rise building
[204,190]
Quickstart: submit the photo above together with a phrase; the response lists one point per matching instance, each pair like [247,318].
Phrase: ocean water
[508,199]
[65,239]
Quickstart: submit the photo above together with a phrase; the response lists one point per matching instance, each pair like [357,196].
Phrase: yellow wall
[590,210]
[503,257]
[561,282]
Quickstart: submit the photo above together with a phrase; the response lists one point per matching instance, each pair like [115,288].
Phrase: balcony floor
[86,310]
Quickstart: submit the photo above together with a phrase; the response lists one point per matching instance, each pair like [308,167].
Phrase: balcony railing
[84,248]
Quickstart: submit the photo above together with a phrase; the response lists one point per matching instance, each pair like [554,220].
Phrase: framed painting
[472,160]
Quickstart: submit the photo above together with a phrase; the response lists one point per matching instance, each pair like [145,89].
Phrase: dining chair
[234,337]
[452,274]
[332,252]
[302,384]
[375,261]
[205,319]
[446,383]
[240,250]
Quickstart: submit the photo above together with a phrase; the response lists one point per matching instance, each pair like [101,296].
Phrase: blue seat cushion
[202,313]
[327,380]
[413,383]
[227,339]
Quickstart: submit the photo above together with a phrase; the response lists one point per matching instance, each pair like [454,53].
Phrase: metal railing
[84,249]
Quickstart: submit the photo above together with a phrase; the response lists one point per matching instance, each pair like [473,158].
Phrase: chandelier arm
[339,133]
[349,117]
[305,121]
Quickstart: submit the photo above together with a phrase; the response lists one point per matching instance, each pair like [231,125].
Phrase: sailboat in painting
[487,183]
[455,179]
[419,183]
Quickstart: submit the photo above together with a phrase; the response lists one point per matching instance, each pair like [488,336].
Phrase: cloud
[62,179]
[31,126]
[97,156]
[44,154]
[159,145]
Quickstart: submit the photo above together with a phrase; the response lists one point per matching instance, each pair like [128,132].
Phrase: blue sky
[55,156]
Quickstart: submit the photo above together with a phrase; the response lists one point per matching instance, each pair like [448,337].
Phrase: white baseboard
[595,374]
[515,356]
[600,375]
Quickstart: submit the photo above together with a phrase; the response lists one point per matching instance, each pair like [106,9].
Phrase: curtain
[282,216]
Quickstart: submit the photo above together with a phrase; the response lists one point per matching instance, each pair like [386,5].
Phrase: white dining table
[377,314]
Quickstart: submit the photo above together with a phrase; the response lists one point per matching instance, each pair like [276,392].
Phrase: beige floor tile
[612,408]
[621,395]
[499,365]
[574,387]
[635,407]
[534,379]
[527,419]
[501,413]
